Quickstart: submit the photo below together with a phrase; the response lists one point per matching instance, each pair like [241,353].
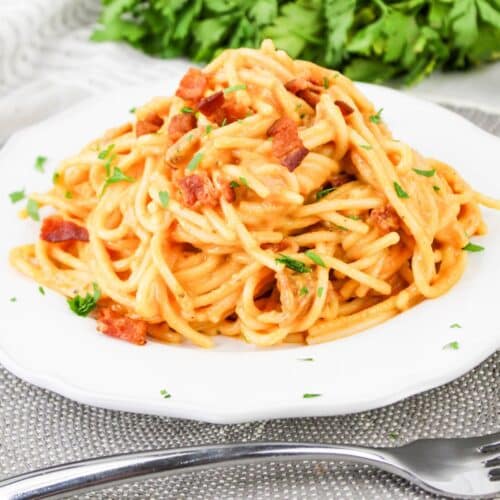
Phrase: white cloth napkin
[48,63]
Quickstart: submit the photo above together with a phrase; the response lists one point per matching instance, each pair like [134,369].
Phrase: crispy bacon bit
[221,110]
[340,179]
[227,191]
[198,189]
[385,218]
[287,145]
[149,125]
[192,86]
[345,109]
[276,247]
[305,89]
[180,125]
[56,230]
[211,104]
[122,327]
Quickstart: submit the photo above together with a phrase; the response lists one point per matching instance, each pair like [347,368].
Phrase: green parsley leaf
[84,305]
[132,110]
[117,176]
[16,196]
[41,290]
[377,118]
[32,208]
[315,258]
[400,191]
[234,88]
[425,173]
[165,394]
[326,82]
[294,265]
[187,109]
[303,291]
[55,177]
[13,299]
[68,195]
[195,161]
[305,359]
[164,198]
[323,192]
[365,146]
[353,217]
[243,181]
[455,325]
[320,291]
[208,129]
[105,152]
[309,395]
[471,247]
[452,345]
[40,163]
[234,184]
[436,188]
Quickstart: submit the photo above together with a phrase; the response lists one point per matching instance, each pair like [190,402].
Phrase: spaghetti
[266,201]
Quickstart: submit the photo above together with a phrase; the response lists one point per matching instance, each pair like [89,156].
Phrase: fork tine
[494,475]
[492,462]
[489,443]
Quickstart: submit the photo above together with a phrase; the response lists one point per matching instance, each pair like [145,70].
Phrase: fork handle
[54,482]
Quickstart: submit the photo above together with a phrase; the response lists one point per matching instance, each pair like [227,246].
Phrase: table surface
[40,428]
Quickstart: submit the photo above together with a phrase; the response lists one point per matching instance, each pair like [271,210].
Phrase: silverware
[457,468]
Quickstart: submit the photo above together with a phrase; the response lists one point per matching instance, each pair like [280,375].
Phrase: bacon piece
[198,189]
[148,125]
[305,89]
[385,218]
[221,110]
[122,327]
[192,86]
[56,230]
[287,145]
[211,104]
[345,109]
[181,124]
[227,191]
[340,179]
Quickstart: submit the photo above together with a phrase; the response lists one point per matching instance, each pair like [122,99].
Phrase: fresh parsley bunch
[370,40]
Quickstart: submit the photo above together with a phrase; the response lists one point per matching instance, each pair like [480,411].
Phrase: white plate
[46,344]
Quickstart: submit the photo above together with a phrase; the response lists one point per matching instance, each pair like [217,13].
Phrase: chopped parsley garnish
[315,258]
[309,395]
[425,173]
[234,184]
[243,181]
[208,129]
[305,359]
[341,228]
[452,345]
[187,109]
[41,290]
[117,176]
[303,291]
[323,192]
[40,163]
[455,325]
[320,291]
[353,217]
[17,196]
[68,195]
[294,265]
[365,146]
[234,88]
[400,191]
[83,305]
[165,394]
[326,82]
[105,152]
[393,435]
[32,208]
[131,110]
[377,118]
[55,177]
[13,299]
[195,161]
[164,198]
[436,188]
[471,247]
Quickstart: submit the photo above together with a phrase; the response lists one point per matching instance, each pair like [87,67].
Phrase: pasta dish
[266,200]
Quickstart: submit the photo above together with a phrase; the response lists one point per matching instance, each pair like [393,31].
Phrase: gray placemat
[39,428]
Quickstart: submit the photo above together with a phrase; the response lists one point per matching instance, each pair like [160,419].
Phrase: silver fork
[457,468]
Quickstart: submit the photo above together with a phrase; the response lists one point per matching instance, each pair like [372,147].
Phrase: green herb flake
[234,184]
[315,258]
[452,345]
[293,264]
[400,191]
[131,110]
[425,173]
[208,129]
[323,192]
[13,299]
[41,290]
[164,197]
[377,118]
[234,88]
[436,188]
[195,161]
[326,83]
[305,359]
[471,247]
[303,291]
[244,182]
[117,176]
[353,217]
[455,325]
[320,291]
[16,196]
[365,146]
[84,305]
[68,195]
[105,152]
[187,109]
[40,163]
[32,208]
[165,394]
[55,177]
[341,228]
[309,395]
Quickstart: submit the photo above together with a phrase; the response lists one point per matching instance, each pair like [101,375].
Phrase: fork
[456,468]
